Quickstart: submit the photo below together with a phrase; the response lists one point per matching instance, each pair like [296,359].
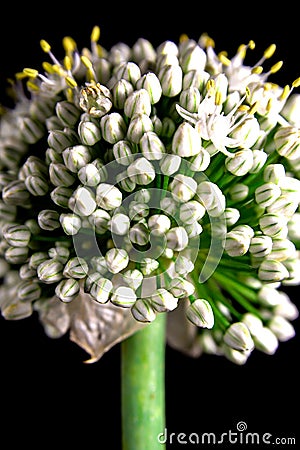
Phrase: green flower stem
[143,387]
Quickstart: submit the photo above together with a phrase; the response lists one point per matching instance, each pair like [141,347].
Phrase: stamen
[69,45]
[183,37]
[276,67]
[95,35]
[223,58]
[47,49]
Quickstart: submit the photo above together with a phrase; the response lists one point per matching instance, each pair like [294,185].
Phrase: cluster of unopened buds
[140,181]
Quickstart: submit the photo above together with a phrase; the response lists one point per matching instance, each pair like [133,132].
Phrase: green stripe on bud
[142,171]
[48,219]
[138,102]
[37,185]
[120,91]
[16,255]
[59,140]
[101,289]
[76,157]
[138,125]
[180,287]
[61,195]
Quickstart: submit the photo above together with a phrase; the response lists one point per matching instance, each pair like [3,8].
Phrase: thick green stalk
[143,387]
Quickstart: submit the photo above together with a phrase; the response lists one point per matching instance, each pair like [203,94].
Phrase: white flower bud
[67,112]
[113,127]
[133,278]
[17,235]
[123,296]
[59,140]
[237,243]
[60,253]
[25,272]
[128,70]
[238,357]
[241,163]
[116,259]
[138,102]
[274,173]
[138,125]
[194,229]
[142,171]
[272,224]
[162,300]
[180,287]
[190,99]
[177,238]
[60,175]
[36,259]
[28,291]
[71,223]
[139,234]
[61,195]
[254,323]
[212,198]
[201,161]
[169,164]
[108,196]
[50,271]
[266,194]
[231,216]
[169,206]
[36,185]
[193,57]
[7,212]
[183,188]
[15,193]
[120,91]
[67,290]
[285,307]
[260,245]
[101,289]
[122,151]
[170,77]
[89,132]
[247,132]
[238,192]
[30,130]
[95,99]
[282,249]
[151,83]
[148,265]
[48,219]
[268,295]
[89,175]
[282,328]
[119,224]
[82,202]
[76,157]
[259,159]
[191,211]
[142,196]
[186,141]
[16,255]
[270,270]
[266,341]
[32,166]
[142,310]
[183,265]
[125,182]
[200,313]
[238,337]
[159,222]
[138,210]
[287,142]
[291,111]
[151,146]
[76,267]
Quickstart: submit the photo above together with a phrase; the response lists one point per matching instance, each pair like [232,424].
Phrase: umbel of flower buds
[144,180]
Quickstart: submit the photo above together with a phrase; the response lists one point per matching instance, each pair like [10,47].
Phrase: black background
[48,395]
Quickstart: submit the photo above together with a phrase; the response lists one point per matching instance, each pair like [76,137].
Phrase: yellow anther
[32,86]
[32,73]
[183,37]
[69,44]
[95,35]
[224,60]
[248,92]
[251,44]
[285,92]
[276,67]
[210,84]
[20,75]
[269,52]
[58,70]
[296,83]
[68,63]
[85,60]
[253,108]
[258,70]
[48,67]
[218,98]
[269,104]
[268,86]
[45,46]
[243,108]
[71,82]
[207,40]
[241,51]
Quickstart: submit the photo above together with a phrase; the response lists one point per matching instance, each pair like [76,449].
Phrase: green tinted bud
[170,77]
[137,102]
[192,57]
[241,163]
[142,50]
[53,123]
[180,287]
[59,140]
[123,296]
[52,156]
[259,159]
[129,71]
[238,192]
[237,243]
[60,253]
[139,234]
[272,224]
[16,193]
[71,223]
[169,164]
[191,211]
[138,125]
[82,202]
[200,162]
[133,278]
[67,290]
[186,141]
[113,127]
[32,166]
[116,259]
[30,130]
[168,127]
[16,255]
[195,78]
[122,151]
[101,289]
[50,271]
[100,220]
[120,91]
[60,175]
[260,245]
[138,210]
[183,265]
[142,171]
[151,146]
[67,112]
[125,183]
[76,157]
[231,216]
[36,259]
[48,219]
[151,83]
[37,185]
[274,173]
[142,311]
[183,188]
[28,291]
[169,206]
[238,337]
[190,99]
[271,270]
[61,195]
[200,313]
[287,142]
[17,235]
[89,175]
[108,196]
[76,268]
[162,300]
[142,196]
[26,273]
[282,249]
[266,194]
[89,132]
